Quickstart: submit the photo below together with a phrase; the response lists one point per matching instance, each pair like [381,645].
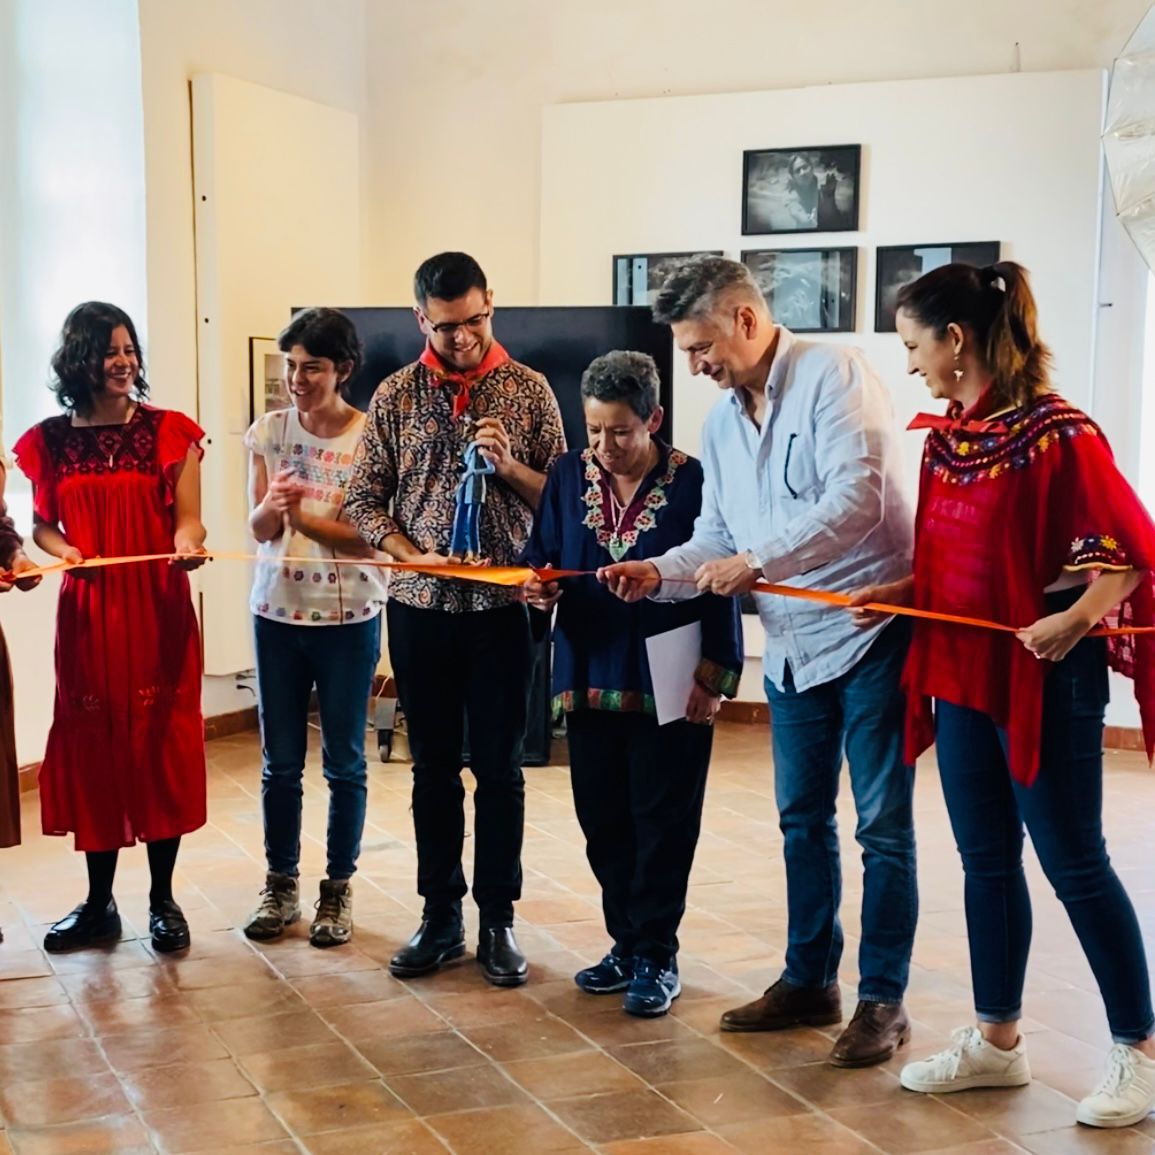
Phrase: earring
[958,373]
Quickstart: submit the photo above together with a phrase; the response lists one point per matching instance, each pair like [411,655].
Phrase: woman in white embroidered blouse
[317,622]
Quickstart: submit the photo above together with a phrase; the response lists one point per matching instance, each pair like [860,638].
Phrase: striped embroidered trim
[960,457]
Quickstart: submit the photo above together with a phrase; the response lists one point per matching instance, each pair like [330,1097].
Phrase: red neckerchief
[461,382]
[976,419]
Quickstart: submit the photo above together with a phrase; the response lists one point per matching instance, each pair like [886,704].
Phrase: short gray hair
[698,286]
[623,376]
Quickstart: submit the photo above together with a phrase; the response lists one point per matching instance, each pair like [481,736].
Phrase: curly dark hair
[78,363]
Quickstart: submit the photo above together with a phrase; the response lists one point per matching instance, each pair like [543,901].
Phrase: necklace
[617,548]
[618,510]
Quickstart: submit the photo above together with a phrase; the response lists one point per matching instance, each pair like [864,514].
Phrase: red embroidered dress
[1007,502]
[126,756]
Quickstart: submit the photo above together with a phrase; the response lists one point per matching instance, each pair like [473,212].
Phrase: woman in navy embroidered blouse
[638,787]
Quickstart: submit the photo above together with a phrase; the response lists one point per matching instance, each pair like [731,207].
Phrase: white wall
[308,49]
[298,47]
[1032,140]
[456,90]
[96,200]
[71,229]
[1032,179]
[258,256]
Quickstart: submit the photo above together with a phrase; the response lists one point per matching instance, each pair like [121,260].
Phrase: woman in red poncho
[1023,519]
[125,759]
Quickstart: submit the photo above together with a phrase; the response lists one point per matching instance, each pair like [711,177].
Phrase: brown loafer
[785,1005]
[872,1036]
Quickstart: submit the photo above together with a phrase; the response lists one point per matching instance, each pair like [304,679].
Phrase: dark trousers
[638,790]
[449,667]
[1063,813]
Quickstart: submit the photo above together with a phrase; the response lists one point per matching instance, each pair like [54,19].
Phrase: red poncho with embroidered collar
[1007,502]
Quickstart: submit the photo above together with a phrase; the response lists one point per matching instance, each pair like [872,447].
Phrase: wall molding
[741,713]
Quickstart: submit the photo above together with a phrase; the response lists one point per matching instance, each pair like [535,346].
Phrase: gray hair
[699,285]
[623,376]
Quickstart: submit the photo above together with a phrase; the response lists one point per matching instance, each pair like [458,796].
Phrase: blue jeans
[1063,813]
[340,661]
[861,714]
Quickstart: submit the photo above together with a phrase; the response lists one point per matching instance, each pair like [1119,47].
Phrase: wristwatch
[752,560]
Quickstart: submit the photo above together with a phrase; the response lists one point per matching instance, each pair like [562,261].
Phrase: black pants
[638,790]
[449,667]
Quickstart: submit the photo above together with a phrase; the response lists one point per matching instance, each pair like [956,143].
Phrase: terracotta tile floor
[289,1049]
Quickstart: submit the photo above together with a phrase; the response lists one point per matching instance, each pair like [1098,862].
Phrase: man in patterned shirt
[458,649]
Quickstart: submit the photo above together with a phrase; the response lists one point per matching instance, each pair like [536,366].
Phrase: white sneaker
[1127,1093]
[970,1062]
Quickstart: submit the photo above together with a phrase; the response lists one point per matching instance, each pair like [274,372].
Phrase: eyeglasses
[448,328]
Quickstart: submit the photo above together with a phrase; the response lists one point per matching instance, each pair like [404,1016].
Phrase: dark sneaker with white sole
[653,988]
[612,974]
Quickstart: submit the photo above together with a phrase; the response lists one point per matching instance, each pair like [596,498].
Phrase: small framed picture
[266,377]
[800,190]
[898,265]
[639,276]
[808,290]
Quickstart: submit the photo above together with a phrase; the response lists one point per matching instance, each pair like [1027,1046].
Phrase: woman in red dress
[1023,519]
[125,759]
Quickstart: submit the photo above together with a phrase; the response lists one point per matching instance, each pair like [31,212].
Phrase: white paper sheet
[674,657]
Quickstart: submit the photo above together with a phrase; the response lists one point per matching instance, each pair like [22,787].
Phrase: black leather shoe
[500,957]
[83,927]
[168,927]
[433,944]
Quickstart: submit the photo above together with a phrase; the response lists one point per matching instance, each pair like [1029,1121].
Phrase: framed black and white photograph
[266,377]
[800,190]
[639,276]
[898,265]
[808,290]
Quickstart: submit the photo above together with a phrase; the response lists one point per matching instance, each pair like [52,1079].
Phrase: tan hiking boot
[280,907]
[333,925]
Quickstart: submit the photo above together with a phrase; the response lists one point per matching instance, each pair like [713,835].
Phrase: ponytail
[1018,361]
[997,308]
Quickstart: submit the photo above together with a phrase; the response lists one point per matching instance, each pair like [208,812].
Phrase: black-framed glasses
[448,328]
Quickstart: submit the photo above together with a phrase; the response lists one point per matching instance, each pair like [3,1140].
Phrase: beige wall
[71,229]
[314,50]
[456,90]
[309,49]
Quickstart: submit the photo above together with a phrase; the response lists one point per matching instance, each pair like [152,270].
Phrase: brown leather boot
[872,1036]
[785,1005]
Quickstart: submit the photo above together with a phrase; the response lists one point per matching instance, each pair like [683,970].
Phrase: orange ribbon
[512,575]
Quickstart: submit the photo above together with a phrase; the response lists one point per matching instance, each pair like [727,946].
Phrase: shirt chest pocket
[793,470]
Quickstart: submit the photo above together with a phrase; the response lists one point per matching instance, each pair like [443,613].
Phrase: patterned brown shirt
[405,474]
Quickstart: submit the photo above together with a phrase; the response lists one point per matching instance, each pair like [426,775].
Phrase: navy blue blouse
[599,655]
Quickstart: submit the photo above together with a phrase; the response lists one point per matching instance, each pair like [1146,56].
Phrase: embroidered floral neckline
[640,515]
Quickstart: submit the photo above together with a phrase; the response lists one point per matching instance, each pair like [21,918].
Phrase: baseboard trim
[1123,738]
[234,722]
[745,713]
[758,714]
[742,713]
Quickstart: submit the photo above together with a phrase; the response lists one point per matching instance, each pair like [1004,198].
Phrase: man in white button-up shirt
[803,487]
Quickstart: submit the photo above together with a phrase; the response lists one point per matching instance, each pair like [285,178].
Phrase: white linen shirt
[816,495]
